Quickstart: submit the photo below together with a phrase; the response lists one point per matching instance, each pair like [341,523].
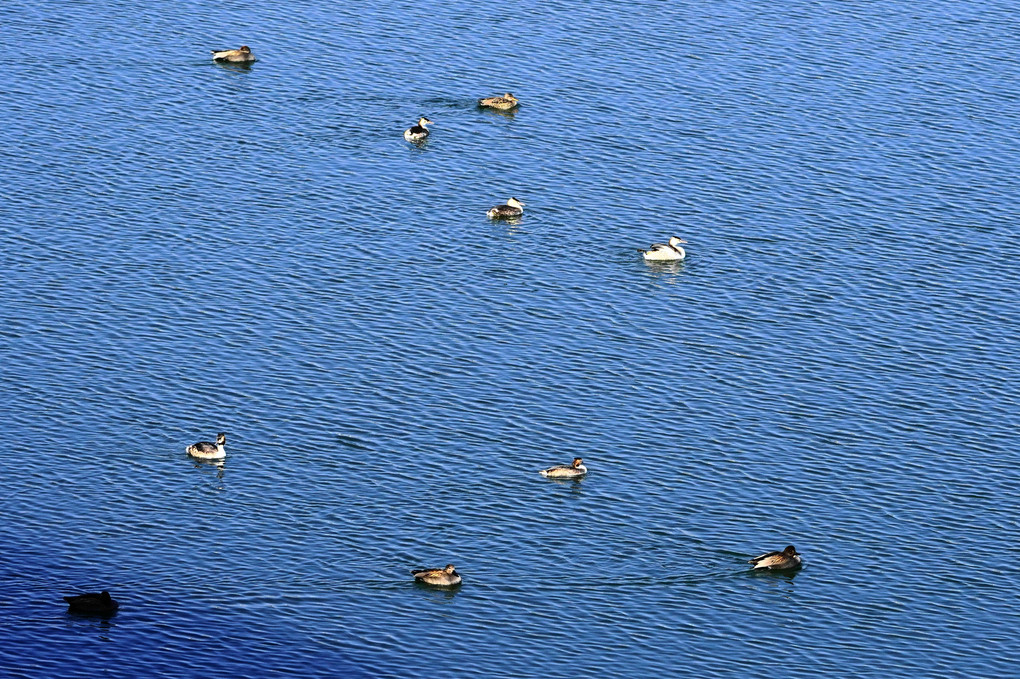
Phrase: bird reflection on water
[443,595]
[219,465]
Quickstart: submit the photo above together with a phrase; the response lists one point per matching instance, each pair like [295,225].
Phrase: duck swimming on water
[440,577]
[92,603]
[418,132]
[513,208]
[665,252]
[504,103]
[787,559]
[573,470]
[209,451]
[238,56]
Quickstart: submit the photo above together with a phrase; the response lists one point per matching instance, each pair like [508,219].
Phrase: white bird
[513,208]
[665,252]
[418,132]
[209,451]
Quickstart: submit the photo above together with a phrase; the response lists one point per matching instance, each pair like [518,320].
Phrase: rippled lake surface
[190,248]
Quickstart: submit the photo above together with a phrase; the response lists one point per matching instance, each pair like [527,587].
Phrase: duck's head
[577,462]
[790,551]
[424,121]
[449,568]
[675,240]
[513,202]
[221,438]
[510,97]
[245,49]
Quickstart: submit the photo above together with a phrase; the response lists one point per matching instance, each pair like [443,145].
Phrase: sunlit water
[190,248]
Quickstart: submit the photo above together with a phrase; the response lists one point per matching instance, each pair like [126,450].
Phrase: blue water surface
[188,248]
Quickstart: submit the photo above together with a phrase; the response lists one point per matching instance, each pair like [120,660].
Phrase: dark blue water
[190,248]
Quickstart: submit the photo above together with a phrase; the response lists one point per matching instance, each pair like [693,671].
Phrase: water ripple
[192,248]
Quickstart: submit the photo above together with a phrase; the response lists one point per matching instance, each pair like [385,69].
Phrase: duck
[574,470]
[440,577]
[513,208]
[504,103]
[787,559]
[418,132]
[92,603]
[209,451]
[665,252]
[242,55]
